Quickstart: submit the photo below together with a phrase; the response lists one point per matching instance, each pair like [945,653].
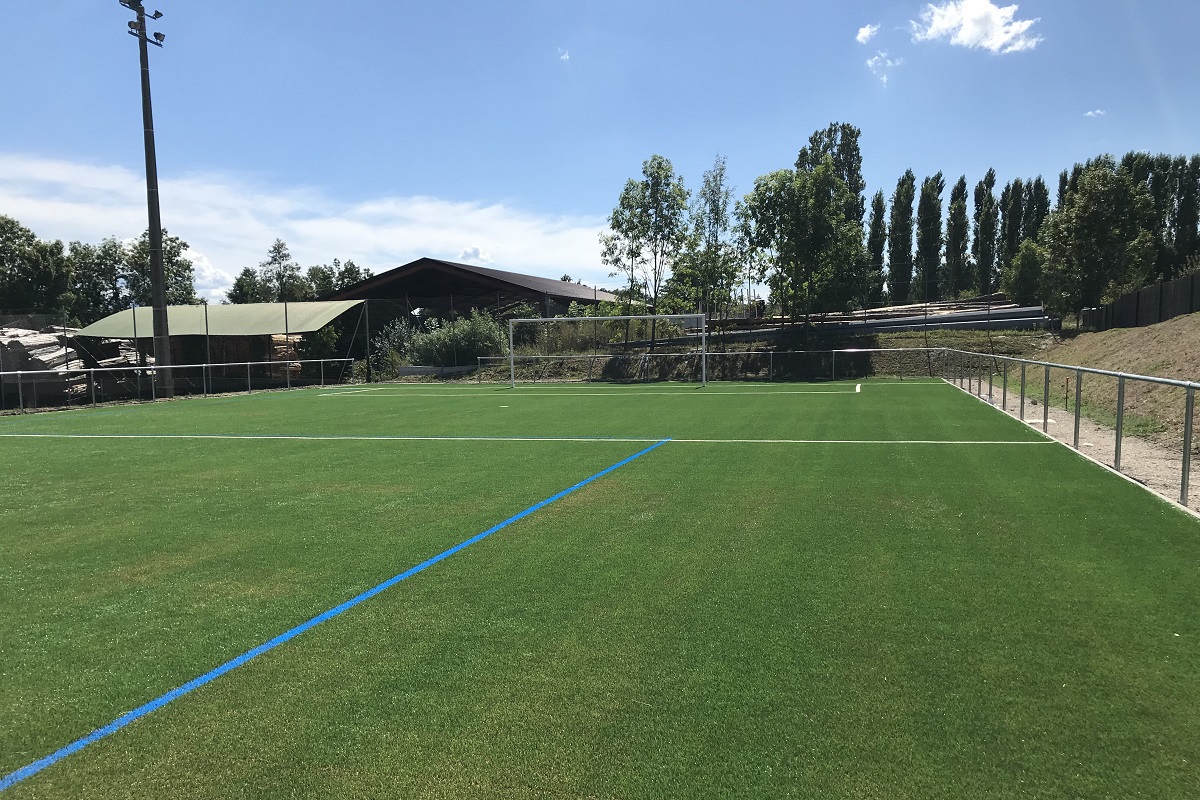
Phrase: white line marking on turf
[351,391]
[857,388]
[527,393]
[601,439]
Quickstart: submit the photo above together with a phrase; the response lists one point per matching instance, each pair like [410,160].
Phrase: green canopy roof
[246,319]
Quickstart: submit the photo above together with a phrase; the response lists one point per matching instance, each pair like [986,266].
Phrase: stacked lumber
[45,353]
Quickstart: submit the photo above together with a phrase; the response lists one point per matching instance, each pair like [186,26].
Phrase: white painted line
[857,388]
[527,393]
[626,439]
[352,391]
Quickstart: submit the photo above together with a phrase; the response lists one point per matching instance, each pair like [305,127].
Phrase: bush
[457,343]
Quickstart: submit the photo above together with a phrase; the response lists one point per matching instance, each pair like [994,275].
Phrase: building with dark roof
[446,288]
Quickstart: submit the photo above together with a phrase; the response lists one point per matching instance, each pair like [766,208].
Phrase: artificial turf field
[801,591]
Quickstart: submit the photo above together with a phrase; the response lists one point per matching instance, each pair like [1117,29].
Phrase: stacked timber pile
[284,352]
[46,354]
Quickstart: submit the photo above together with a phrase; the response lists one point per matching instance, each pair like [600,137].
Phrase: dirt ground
[1153,465]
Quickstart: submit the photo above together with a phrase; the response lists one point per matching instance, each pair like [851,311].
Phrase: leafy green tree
[1099,244]
[795,221]
[178,271]
[876,245]
[957,276]
[929,239]
[1021,282]
[987,223]
[707,269]
[248,288]
[280,274]
[647,230]
[621,246]
[839,141]
[34,274]
[98,286]
[900,239]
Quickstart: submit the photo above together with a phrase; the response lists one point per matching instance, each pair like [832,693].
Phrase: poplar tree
[957,274]
[876,244]
[927,285]
[900,236]
[983,246]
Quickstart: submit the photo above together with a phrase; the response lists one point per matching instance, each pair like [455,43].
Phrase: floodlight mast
[158,283]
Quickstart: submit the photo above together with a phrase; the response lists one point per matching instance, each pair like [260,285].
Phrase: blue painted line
[120,722]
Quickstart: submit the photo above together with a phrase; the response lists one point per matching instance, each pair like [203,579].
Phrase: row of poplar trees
[1114,226]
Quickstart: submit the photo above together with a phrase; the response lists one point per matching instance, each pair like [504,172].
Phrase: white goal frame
[685,318]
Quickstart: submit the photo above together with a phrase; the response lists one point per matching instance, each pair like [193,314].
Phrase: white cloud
[1099,112]
[475,255]
[563,55]
[229,222]
[976,24]
[866,33]
[881,65]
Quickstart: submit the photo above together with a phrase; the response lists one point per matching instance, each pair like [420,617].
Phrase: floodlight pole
[158,287]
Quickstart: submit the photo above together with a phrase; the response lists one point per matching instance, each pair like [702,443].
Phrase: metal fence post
[1023,366]
[1046,401]
[835,365]
[771,365]
[249,386]
[1004,387]
[991,382]
[20,392]
[1189,410]
[1120,422]
[1078,400]
[92,377]
[322,362]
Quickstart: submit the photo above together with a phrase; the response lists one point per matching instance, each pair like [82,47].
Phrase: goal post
[686,329]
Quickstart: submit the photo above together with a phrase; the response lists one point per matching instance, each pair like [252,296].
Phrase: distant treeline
[1115,225]
[86,282]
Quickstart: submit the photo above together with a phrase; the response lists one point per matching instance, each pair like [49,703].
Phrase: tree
[987,220]
[98,285]
[795,222]
[839,141]
[1012,215]
[34,274]
[929,239]
[621,244]
[957,277]
[247,288]
[180,277]
[1099,243]
[900,236]
[1186,220]
[1021,282]
[1037,208]
[707,269]
[876,244]
[280,274]
[647,230]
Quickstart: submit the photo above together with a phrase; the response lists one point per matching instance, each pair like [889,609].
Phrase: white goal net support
[619,349]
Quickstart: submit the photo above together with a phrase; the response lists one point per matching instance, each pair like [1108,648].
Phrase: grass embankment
[1167,350]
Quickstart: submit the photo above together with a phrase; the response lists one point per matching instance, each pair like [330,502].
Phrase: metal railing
[971,370]
[127,383]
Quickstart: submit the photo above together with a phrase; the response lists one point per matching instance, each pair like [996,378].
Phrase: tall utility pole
[158,283]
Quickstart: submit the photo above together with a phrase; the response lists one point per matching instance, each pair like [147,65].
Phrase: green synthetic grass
[710,620]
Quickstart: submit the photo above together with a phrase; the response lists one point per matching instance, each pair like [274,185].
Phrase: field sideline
[863,589]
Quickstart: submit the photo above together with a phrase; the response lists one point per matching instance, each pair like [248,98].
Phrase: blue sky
[501,133]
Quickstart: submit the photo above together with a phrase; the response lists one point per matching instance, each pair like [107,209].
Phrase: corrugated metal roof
[247,319]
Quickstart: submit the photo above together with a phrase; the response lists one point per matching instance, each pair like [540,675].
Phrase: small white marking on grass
[857,388]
